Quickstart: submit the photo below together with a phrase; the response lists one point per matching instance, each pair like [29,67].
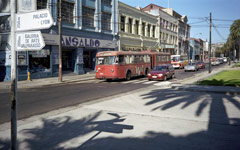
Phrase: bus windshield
[176,58]
[106,60]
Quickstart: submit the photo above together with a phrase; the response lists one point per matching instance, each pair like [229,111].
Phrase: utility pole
[60,39]
[210,43]
[13,78]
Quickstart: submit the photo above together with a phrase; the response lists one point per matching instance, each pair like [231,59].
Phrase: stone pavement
[150,119]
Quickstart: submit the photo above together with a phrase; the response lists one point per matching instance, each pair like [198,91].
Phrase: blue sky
[198,11]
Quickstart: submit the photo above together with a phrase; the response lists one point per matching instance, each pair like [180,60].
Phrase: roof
[151,6]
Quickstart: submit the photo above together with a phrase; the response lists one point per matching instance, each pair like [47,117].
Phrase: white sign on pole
[29,41]
[40,19]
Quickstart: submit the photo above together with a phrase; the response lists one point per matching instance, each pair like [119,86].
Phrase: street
[154,118]
[36,101]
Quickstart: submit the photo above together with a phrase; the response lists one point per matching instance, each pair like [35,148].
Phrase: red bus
[124,65]
[179,61]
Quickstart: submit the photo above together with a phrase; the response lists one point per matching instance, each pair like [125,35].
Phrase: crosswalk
[143,81]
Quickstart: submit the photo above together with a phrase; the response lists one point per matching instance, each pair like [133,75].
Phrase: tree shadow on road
[55,134]
[223,132]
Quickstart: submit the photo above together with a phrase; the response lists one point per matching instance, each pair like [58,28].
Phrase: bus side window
[121,59]
[131,59]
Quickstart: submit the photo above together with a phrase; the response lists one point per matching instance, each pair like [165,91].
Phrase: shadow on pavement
[59,131]
[222,133]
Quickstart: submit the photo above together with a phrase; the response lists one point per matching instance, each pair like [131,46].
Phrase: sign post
[26,41]
[13,80]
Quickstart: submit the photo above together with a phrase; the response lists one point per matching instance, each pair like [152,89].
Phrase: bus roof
[114,53]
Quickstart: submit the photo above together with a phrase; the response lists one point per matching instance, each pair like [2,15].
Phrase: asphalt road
[40,100]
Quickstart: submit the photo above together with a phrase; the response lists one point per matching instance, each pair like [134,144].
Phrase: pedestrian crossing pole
[14,78]
[210,43]
[60,39]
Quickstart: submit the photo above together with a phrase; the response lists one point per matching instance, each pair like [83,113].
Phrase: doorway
[89,57]
[67,60]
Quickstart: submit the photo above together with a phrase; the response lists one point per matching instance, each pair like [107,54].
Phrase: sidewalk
[49,81]
[150,119]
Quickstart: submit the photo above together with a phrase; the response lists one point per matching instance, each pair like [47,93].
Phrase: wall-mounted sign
[73,41]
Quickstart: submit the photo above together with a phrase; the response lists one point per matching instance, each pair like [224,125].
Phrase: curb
[206,90]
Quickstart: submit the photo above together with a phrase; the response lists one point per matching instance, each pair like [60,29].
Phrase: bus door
[152,61]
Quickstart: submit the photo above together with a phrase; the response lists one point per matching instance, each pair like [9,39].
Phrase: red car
[201,65]
[162,72]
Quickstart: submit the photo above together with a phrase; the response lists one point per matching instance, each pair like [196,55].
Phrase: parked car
[225,59]
[220,60]
[191,67]
[215,63]
[201,64]
[162,72]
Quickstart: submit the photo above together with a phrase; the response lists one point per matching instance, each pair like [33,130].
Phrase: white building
[137,30]
[174,29]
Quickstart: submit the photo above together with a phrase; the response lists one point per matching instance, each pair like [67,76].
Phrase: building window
[88,16]
[109,2]
[41,4]
[130,25]
[67,11]
[143,29]
[153,34]
[106,21]
[148,30]
[122,26]
[136,27]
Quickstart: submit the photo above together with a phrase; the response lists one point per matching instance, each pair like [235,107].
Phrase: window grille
[41,4]
[67,11]
[109,2]
[106,21]
[88,16]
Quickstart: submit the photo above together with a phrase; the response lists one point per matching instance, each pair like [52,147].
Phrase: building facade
[167,28]
[137,30]
[194,49]
[174,30]
[88,26]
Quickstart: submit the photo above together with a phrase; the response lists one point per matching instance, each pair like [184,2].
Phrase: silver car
[191,67]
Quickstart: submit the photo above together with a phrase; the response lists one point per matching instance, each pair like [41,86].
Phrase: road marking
[149,82]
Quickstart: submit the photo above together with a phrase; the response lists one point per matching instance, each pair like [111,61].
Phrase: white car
[224,59]
[191,67]
[215,63]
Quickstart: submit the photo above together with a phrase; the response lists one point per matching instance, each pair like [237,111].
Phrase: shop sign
[86,42]
[80,42]
[169,46]
[73,41]
[40,54]
[29,41]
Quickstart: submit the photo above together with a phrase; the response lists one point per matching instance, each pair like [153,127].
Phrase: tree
[233,37]
[235,31]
